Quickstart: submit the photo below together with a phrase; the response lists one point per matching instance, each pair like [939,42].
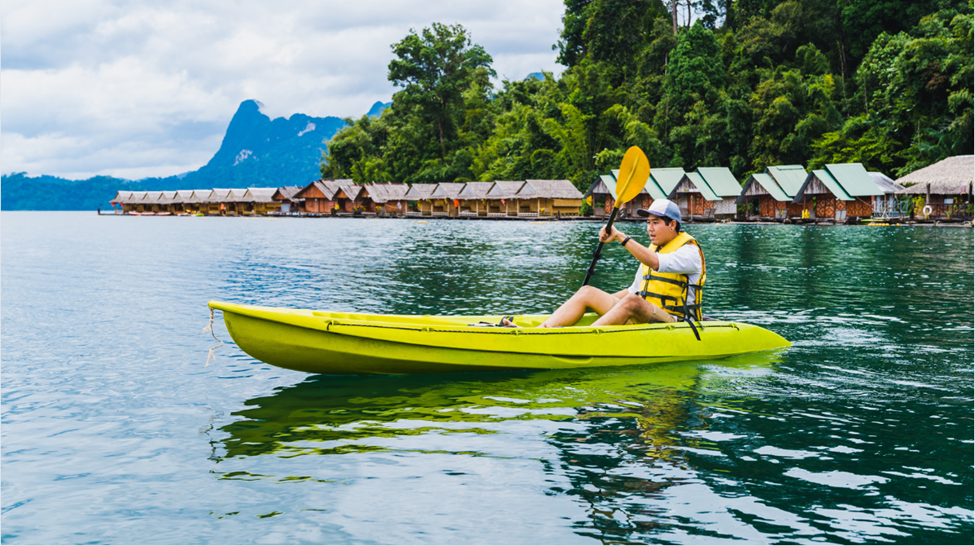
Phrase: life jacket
[668,291]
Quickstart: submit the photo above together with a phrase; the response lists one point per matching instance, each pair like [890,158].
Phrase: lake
[115,431]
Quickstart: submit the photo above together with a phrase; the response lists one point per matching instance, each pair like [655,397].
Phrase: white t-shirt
[686,260]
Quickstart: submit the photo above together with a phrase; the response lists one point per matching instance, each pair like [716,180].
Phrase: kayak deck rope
[209,328]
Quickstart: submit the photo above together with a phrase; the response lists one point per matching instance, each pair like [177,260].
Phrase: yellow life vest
[668,291]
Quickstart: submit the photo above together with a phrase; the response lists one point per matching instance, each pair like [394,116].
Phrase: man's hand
[616,235]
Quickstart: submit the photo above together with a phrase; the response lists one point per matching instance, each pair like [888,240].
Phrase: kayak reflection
[326,415]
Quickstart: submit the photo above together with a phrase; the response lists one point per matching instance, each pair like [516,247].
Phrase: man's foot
[508,322]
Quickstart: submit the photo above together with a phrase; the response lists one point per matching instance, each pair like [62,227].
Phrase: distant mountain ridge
[256,152]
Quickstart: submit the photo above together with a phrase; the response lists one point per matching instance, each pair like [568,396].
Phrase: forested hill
[750,83]
[256,152]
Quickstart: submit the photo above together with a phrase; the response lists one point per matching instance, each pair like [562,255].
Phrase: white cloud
[101,87]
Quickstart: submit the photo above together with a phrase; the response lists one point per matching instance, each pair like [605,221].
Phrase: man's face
[660,233]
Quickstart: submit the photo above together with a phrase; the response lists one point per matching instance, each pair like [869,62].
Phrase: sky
[135,89]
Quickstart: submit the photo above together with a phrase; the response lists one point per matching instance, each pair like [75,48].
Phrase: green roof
[830,183]
[720,180]
[610,182]
[854,179]
[667,179]
[767,182]
[702,186]
[789,177]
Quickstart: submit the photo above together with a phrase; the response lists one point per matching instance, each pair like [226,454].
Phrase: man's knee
[588,292]
[633,301]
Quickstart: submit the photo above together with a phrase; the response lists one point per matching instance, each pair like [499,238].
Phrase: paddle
[634,172]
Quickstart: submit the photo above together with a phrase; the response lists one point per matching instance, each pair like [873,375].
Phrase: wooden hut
[196,201]
[321,196]
[501,198]
[385,197]
[287,202]
[694,197]
[665,179]
[771,201]
[790,178]
[179,203]
[886,206]
[349,198]
[445,198]
[216,203]
[123,198]
[839,191]
[946,187]
[473,199]
[161,202]
[420,194]
[261,201]
[725,186]
[548,198]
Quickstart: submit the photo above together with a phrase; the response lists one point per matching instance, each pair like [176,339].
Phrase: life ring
[927,210]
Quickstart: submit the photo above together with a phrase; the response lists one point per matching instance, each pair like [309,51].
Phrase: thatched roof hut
[383,192]
[287,193]
[505,189]
[950,176]
[475,190]
[548,189]
[259,195]
[419,191]
[447,190]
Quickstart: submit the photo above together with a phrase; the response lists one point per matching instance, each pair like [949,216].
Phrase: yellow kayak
[354,343]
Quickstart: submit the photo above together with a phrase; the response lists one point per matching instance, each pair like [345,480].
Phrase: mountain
[377,109]
[256,152]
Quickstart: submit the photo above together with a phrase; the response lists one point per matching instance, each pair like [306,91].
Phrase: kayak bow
[356,343]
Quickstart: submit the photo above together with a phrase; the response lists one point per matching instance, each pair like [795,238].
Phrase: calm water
[113,431]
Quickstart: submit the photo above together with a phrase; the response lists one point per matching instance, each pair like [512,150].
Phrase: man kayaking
[667,285]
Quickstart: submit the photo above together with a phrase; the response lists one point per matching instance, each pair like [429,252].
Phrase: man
[667,285]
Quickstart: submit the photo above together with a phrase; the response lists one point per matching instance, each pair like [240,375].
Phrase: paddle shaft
[599,249]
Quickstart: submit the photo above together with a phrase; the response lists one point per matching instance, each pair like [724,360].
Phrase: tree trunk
[673,9]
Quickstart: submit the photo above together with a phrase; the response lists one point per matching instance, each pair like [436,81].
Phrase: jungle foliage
[750,83]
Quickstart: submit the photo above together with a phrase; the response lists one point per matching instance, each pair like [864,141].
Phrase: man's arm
[638,251]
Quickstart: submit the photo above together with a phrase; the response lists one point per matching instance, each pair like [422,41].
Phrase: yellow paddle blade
[634,172]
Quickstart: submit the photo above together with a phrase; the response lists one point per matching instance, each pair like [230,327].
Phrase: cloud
[121,87]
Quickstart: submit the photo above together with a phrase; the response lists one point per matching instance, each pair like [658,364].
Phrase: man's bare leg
[636,308]
[572,310]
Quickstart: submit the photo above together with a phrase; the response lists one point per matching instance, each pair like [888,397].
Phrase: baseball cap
[662,207]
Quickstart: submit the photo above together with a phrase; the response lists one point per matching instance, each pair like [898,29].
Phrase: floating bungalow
[765,195]
[838,191]
[325,197]
[887,205]
[548,198]
[774,191]
[445,199]
[259,201]
[501,198]
[420,194]
[473,199]
[709,193]
[385,198]
[285,196]
[942,190]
